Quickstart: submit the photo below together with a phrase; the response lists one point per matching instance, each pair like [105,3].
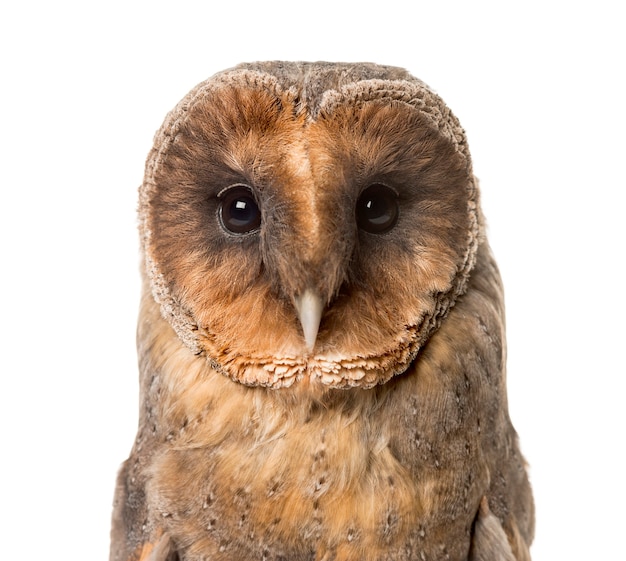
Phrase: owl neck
[186,396]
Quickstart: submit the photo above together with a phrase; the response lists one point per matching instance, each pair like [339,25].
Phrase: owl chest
[345,486]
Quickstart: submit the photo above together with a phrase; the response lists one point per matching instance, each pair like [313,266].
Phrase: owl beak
[309,306]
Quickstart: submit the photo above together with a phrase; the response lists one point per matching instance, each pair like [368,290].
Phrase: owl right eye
[377,209]
[239,212]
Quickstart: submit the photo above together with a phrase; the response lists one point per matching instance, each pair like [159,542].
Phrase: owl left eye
[238,211]
[377,209]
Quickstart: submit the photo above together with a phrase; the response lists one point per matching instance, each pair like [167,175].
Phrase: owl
[321,333]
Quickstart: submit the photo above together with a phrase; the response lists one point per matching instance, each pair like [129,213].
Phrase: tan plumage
[283,197]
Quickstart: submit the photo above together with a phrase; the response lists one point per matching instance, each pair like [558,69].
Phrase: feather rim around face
[315,89]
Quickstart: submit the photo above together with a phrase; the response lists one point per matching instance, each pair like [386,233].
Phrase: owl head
[309,223]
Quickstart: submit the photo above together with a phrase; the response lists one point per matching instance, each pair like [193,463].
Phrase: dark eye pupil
[377,209]
[239,212]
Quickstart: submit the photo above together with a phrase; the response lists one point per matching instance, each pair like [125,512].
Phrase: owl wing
[130,538]
[489,540]
[158,550]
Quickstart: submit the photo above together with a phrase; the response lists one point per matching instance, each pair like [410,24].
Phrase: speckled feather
[390,439]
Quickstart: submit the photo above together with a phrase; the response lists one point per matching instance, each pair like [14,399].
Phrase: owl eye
[377,209]
[238,211]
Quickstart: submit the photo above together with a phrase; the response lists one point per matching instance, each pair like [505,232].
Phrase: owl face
[308,235]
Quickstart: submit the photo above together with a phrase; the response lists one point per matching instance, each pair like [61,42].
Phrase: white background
[537,85]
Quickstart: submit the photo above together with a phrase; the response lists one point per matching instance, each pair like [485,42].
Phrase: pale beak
[309,306]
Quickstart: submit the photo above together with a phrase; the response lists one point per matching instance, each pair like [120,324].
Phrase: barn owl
[321,333]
